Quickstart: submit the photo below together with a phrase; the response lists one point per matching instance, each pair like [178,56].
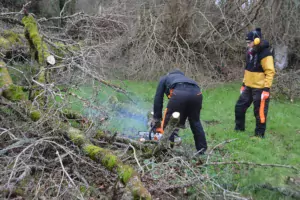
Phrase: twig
[63,168]
[225,142]
[137,161]
[16,13]
[176,186]
[63,9]
[253,164]
[17,144]
[16,161]
[9,133]
[24,174]
[291,192]
[94,76]
[67,174]
[81,177]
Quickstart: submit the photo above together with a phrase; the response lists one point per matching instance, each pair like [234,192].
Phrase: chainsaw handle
[151,130]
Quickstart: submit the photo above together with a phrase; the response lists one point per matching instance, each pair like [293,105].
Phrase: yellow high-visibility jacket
[259,70]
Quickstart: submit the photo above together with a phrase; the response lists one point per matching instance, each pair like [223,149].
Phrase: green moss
[147,151]
[4,43]
[139,192]
[5,78]
[100,134]
[76,136]
[11,36]
[74,123]
[42,77]
[71,114]
[60,49]
[124,172]
[82,189]
[32,34]
[109,161]
[35,115]
[92,151]
[14,93]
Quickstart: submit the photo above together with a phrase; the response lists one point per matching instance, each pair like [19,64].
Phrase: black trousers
[248,96]
[187,100]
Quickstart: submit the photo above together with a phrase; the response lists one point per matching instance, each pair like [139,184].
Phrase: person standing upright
[258,77]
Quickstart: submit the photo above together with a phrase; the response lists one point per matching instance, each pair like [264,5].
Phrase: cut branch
[164,142]
[252,164]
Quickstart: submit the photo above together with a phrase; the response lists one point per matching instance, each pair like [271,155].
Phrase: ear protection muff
[256,40]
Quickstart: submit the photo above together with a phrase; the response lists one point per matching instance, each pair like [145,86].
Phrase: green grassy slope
[281,145]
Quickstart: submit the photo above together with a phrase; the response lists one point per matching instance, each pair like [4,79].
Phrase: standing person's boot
[239,119]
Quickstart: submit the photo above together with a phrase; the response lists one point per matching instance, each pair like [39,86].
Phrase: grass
[281,145]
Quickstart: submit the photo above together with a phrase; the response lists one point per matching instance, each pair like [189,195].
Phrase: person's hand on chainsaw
[155,123]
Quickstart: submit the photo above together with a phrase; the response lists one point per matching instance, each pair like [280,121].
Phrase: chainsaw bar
[145,135]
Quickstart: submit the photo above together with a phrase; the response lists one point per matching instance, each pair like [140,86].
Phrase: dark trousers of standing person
[248,96]
[187,100]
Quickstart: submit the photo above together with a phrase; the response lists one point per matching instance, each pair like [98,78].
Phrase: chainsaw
[155,134]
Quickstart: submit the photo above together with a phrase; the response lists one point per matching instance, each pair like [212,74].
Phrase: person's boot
[200,144]
[239,129]
[239,122]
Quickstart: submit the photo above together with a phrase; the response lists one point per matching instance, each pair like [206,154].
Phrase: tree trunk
[126,173]
[164,142]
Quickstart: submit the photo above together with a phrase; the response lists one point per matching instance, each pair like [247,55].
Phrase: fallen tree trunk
[126,173]
[164,142]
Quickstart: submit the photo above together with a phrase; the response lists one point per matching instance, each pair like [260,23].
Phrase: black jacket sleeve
[159,98]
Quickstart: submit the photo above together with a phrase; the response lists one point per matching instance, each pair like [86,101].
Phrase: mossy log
[38,47]
[164,142]
[126,173]
[7,88]
[39,52]
[15,93]
[5,79]
[36,43]
[12,44]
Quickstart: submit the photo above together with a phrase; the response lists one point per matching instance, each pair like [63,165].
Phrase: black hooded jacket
[259,69]
[167,83]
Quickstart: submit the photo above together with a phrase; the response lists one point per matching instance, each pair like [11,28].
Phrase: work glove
[242,89]
[265,95]
[155,123]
